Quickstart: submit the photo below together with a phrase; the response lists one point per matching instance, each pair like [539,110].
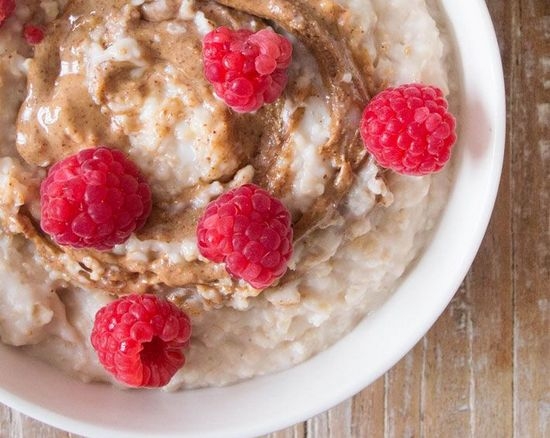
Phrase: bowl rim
[478,50]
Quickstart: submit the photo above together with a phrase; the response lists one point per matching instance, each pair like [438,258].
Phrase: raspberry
[408,129]
[250,231]
[246,69]
[33,34]
[6,9]
[95,199]
[139,339]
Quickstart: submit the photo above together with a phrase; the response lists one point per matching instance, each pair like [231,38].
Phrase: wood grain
[368,419]
[530,127]
[483,370]
[405,395]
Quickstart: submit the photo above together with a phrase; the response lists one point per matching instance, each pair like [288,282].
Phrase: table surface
[483,370]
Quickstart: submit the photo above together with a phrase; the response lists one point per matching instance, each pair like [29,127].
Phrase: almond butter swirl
[80,96]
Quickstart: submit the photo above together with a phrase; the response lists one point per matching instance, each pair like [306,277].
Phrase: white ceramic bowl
[269,403]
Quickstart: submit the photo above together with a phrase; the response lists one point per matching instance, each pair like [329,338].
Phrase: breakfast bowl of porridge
[219,218]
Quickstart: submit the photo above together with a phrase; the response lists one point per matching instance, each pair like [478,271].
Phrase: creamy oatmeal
[128,74]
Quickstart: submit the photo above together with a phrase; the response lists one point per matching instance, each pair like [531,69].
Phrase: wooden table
[483,370]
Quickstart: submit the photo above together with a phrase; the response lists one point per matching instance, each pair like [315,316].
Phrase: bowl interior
[272,402]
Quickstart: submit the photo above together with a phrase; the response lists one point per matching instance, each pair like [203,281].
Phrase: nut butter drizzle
[346,100]
[261,137]
[46,133]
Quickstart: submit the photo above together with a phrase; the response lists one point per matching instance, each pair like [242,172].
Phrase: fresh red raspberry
[246,69]
[94,199]
[6,9]
[250,231]
[33,34]
[139,339]
[408,129]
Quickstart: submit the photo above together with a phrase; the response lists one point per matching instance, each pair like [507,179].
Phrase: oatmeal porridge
[129,74]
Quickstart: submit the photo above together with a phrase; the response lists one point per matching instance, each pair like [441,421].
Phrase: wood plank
[332,422]
[530,111]
[5,421]
[368,411]
[340,419]
[296,431]
[491,373]
[490,294]
[403,392]
[489,286]
[446,385]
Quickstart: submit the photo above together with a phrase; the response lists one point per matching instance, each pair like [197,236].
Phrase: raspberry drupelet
[139,339]
[250,231]
[94,199]
[33,34]
[409,129]
[246,69]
